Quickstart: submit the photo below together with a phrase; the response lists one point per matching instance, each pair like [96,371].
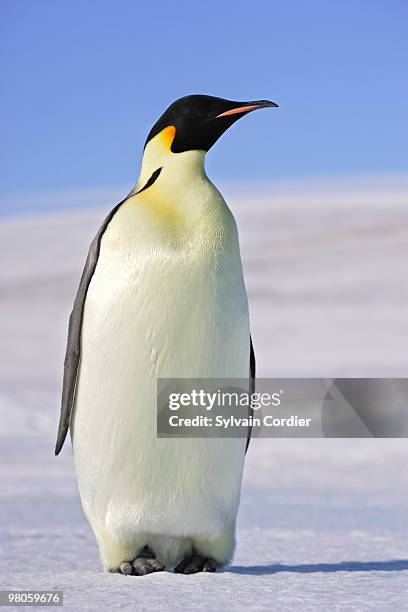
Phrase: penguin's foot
[145,563]
[196,563]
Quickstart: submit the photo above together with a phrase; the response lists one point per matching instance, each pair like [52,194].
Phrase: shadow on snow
[314,568]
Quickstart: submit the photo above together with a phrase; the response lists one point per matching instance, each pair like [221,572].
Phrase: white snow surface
[322,523]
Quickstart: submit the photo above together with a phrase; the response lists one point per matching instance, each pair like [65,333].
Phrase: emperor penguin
[162,295]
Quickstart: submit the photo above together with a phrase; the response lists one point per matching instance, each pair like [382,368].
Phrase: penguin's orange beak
[247,107]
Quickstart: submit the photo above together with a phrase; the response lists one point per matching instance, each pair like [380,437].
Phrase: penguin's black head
[200,120]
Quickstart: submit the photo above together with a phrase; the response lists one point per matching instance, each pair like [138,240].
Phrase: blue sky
[83,81]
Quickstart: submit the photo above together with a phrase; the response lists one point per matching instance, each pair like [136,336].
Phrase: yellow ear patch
[167,136]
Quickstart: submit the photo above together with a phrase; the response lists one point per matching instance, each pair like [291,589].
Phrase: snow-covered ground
[323,523]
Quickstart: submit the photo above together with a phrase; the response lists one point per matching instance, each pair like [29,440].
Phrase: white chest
[171,301]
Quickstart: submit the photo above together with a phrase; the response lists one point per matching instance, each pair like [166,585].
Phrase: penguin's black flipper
[252,368]
[73,351]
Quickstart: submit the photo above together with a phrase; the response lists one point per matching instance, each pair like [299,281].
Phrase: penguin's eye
[200,113]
